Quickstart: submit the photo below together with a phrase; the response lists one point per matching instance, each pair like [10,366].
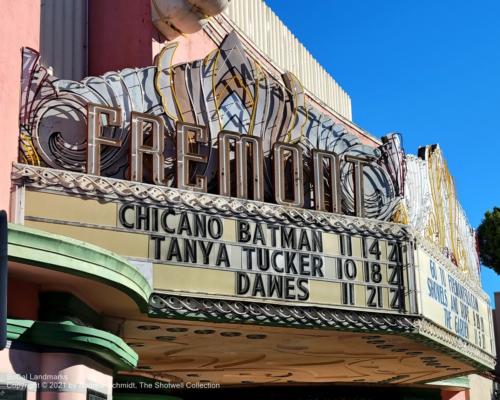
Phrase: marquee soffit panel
[165,306]
[232,353]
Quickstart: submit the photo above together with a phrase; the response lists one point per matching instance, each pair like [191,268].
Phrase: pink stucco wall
[20,27]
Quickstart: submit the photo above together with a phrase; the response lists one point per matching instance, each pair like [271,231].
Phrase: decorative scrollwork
[435,213]
[227,90]
[41,177]
[452,343]
[263,313]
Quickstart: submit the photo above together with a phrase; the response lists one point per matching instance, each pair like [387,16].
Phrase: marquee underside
[229,354]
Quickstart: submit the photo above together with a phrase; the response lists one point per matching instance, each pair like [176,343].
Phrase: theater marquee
[241,256]
[221,181]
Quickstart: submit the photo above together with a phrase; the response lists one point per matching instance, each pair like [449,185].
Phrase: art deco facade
[192,208]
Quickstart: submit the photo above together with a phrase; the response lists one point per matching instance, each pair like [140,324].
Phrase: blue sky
[428,69]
